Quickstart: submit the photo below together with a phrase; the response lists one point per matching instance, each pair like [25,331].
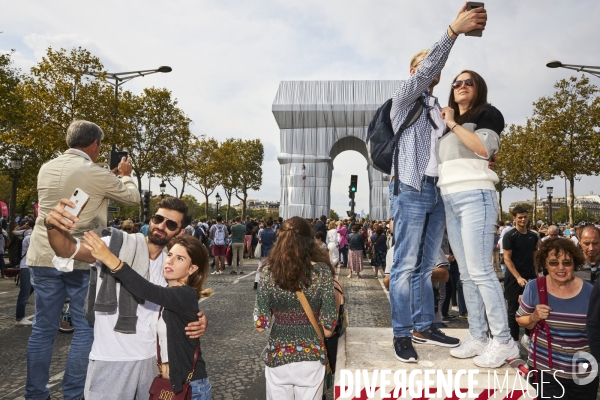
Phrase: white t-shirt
[436,134]
[110,345]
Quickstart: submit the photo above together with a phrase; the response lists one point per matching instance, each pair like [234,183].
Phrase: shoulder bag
[328,379]
[373,247]
[161,387]
[543,297]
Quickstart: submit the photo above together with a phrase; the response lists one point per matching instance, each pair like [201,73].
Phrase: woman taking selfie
[565,312]
[295,355]
[468,189]
[185,269]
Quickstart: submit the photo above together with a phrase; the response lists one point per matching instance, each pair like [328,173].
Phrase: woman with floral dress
[295,356]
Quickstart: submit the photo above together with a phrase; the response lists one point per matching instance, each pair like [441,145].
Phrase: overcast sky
[228,57]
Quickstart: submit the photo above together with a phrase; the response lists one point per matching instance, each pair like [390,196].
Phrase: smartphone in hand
[471,5]
[80,198]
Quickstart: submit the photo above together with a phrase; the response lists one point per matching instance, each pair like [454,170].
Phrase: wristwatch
[48,227]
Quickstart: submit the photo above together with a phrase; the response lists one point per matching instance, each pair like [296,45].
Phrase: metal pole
[116,107]
[549,209]
[566,203]
[13,203]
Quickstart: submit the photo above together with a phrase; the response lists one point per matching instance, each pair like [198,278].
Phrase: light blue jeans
[201,389]
[51,289]
[470,220]
[418,231]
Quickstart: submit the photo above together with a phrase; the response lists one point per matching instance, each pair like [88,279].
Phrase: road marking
[247,275]
[382,285]
[53,381]
[3,292]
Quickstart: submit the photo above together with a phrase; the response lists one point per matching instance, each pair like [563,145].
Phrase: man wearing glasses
[415,200]
[57,179]
[123,365]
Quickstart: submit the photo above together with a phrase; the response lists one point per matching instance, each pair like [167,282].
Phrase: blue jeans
[51,289]
[344,255]
[24,292]
[418,231]
[201,389]
[470,219]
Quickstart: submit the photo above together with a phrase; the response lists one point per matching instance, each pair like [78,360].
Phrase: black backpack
[14,251]
[381,139]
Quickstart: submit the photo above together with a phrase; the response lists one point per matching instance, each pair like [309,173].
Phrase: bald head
[590,243]
[553,230]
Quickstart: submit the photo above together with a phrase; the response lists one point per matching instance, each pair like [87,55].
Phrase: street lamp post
[162,187]
[550,190]
[15,164]
[579,68]
[218,199]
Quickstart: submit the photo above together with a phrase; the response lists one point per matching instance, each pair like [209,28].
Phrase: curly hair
[289,261]
[199,256]
[559,245]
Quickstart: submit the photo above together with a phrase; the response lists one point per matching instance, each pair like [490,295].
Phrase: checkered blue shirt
[413,149]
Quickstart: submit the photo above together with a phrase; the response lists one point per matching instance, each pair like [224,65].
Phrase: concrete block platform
[366,352]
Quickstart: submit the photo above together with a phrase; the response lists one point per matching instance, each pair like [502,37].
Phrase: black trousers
[550,387]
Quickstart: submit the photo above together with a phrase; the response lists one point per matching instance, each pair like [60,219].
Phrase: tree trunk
[206,205]
[176,190]
[572,200]
[182,187]
[535,204]
[228,207]
[244,202]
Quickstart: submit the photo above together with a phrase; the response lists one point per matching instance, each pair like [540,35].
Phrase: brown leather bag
[161,387]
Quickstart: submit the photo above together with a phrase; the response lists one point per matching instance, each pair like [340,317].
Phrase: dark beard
[158,241]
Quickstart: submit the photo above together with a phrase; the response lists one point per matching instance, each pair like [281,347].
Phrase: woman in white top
[332,243]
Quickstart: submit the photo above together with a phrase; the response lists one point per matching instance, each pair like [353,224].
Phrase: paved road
[231,347]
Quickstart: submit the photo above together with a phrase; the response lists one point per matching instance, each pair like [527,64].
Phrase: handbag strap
[311,316]
[159,359]
[543,297]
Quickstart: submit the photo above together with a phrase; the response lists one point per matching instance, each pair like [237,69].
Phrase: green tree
[194,208]
[250,169]
[205,173]
[333,215]
[179,161]
[150,122]
[527,163]
[227,157]
[570,120]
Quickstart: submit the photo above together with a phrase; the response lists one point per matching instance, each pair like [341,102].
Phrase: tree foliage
[569,121]
[205,171]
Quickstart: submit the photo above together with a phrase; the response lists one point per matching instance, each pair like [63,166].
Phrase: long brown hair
[199,256]
[290,259]
[478,103]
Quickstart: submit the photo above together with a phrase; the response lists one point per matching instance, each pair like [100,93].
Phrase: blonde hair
[332,225]
[414,60]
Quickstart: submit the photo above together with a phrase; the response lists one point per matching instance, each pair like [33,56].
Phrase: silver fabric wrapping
[318,120]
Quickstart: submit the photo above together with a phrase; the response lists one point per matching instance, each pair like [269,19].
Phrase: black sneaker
[233,273]
[241,272]
[433,335]
[446,318]
[404,349]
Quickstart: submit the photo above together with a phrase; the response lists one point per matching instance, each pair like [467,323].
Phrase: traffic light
[146,194]
[353,183]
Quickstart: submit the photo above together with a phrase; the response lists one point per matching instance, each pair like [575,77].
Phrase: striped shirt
[567,329]
[414,146]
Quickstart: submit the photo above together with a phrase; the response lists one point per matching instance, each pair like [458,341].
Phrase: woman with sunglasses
[467,185]
[185,270]
[561,373]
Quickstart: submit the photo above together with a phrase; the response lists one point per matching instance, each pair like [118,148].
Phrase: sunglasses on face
[565,263]
[457,84]
[171,225]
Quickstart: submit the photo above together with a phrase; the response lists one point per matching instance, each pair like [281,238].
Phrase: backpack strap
[411,118]
[543,297]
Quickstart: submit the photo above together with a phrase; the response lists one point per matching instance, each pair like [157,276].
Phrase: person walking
[355,248]
[468,190]
[295,355]
[343,242]
[218,233]
[24,279]
[379,250]
[332,244]
[267,240]
[238,231]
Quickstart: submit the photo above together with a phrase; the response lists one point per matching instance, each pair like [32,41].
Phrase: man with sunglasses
[415,200]
[126,360]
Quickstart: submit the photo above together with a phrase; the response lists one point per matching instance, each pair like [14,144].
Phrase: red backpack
[543,296]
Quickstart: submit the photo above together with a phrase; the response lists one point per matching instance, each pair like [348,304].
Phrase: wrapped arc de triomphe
[318,120]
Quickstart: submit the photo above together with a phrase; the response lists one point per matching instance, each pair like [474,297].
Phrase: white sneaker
[215,273]
[24,322]
[470,347]
[495,354]
[525,341]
